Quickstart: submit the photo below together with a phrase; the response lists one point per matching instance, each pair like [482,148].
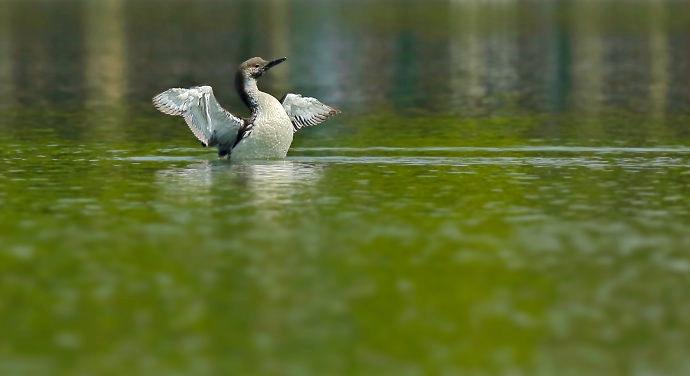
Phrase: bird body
[271,132]
[266,134]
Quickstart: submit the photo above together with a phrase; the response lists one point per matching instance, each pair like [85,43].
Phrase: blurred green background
[506,191]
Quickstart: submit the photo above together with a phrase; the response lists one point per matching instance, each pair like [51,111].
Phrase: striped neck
[248,91]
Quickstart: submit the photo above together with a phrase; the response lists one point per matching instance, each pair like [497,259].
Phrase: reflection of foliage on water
[113,261]
[604,129]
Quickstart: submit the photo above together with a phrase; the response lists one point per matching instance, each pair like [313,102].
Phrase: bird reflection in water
[264,183]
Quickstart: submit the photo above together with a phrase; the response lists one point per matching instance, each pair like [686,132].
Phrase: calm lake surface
[506,191]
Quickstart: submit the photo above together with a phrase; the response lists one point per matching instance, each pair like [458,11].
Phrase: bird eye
[256,66]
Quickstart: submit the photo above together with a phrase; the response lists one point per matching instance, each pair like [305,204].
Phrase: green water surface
[506,191]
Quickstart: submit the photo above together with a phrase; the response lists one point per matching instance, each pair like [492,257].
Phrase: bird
[266,134]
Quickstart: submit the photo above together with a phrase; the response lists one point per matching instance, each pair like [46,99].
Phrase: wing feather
[208,121]
[306,111]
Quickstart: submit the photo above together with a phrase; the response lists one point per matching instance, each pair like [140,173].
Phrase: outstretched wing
[306,111]
[209,122]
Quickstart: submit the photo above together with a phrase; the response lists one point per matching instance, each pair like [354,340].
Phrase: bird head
[256,66]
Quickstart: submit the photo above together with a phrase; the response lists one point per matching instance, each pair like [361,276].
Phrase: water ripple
[530,149]
[590,162]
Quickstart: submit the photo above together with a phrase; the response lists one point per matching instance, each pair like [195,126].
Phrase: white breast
[271,134]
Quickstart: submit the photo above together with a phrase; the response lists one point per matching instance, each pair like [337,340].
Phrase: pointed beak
[273,63]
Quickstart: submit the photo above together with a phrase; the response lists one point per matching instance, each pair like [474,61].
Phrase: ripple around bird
[551,156]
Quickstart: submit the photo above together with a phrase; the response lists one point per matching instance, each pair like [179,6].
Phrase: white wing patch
[209,122]
[306,111]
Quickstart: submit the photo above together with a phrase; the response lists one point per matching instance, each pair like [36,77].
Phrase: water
[506,191]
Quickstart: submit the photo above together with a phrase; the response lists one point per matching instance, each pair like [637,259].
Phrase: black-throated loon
[266,134]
